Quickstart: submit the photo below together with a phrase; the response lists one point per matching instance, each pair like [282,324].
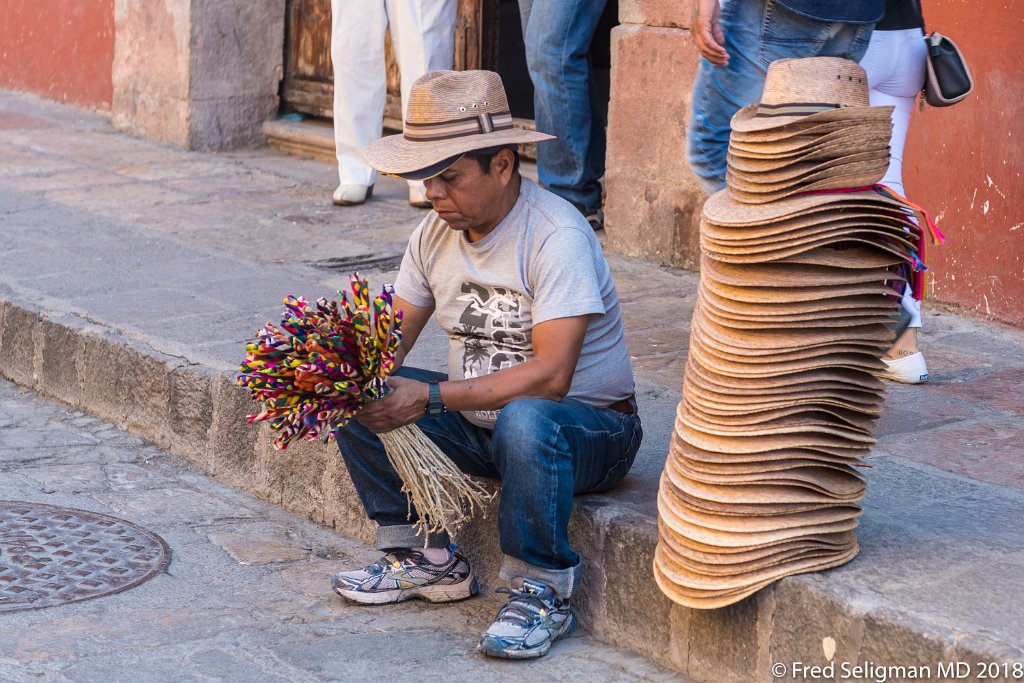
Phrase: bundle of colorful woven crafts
[313,374]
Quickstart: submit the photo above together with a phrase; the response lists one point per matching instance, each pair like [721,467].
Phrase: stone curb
[199,414]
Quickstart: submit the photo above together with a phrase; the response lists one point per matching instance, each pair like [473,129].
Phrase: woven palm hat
[783,229]
[694,590]
[739,568]
[771,171]
[898,247]
[870,135]
[801,133]
[782,275]
[879,231]
[858,174]
[668,580]
[811,175]
[449,114]
[726,562]
[847,258]
[810,91]
[722,209]
[825,413]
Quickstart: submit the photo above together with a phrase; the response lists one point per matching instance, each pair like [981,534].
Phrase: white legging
[423,37]
[895,64]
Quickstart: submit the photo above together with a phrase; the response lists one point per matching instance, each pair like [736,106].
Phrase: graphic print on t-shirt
[493,331]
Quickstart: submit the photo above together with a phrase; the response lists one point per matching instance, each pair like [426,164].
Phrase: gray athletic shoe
[406,574]
[528,623]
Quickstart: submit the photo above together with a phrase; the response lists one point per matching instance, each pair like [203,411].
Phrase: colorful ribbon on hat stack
[325,362]
[800,256]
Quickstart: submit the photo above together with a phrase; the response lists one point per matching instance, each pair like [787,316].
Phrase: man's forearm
[533,379]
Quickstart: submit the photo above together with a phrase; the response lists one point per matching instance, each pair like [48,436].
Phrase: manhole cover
[51,555]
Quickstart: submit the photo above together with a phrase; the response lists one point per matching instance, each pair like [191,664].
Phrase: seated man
[539,392]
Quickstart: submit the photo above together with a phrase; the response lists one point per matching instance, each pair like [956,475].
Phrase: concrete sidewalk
[246,596]
[132,273]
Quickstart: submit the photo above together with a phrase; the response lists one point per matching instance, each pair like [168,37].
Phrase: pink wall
[62,49]
[964,163]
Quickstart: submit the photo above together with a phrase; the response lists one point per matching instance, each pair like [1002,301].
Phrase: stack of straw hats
[780,393]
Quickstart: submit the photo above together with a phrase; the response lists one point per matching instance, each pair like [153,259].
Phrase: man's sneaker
[528,623]
[406,574]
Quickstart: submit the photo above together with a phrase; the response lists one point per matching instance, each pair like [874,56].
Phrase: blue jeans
[757,32]
[557,35]
[543,452]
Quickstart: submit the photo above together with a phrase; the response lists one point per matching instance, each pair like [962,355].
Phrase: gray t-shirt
[540,263]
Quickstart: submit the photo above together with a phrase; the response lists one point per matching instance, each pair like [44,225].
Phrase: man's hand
[404,405]
[707,32]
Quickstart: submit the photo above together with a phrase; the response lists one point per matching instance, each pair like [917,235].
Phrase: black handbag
[948,79]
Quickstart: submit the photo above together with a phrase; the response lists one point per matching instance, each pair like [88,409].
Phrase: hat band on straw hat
[795,108]
[446,130]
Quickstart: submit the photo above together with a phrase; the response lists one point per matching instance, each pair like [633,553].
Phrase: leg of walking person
[423,38]
[895,65]
[357,53]
[756,34]
[557,36]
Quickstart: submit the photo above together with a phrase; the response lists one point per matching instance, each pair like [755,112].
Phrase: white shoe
[350,195]
[418,196]
[908,369]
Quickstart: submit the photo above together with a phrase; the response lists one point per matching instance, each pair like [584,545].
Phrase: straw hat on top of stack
[809,132]
[780,395]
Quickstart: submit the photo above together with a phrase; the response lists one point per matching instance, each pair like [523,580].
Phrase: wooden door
[309,78]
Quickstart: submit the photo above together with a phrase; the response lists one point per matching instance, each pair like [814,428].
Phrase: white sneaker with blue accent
[404,575]
[528,623]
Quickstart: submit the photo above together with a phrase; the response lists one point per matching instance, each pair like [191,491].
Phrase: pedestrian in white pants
[423,39]
[895,66]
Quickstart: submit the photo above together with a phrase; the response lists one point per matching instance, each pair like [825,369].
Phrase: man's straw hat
[810,91]
[449,114]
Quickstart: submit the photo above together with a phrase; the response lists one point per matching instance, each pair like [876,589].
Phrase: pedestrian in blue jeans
[539,389]
[737,41]
[557,36]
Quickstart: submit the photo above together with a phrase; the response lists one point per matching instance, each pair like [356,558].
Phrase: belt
[626,405]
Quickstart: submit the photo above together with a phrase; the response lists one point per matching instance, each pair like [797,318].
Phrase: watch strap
[435,406]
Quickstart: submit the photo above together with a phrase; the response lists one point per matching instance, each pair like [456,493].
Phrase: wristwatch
[435,406]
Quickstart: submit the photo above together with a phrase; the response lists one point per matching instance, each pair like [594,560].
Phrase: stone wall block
[653,201]
[658,221]
[804,617]
[668,13]
[895,637]
[100,361]
[229,122]
[587,533]
[723,643]
[231,444]
[342,509]
[480,539]
[147,380]
[201,74]
[237,48]
[17,345]
[634,603]
[151,68]
[294,476]
[190,411]
[58,367]
[653,70]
